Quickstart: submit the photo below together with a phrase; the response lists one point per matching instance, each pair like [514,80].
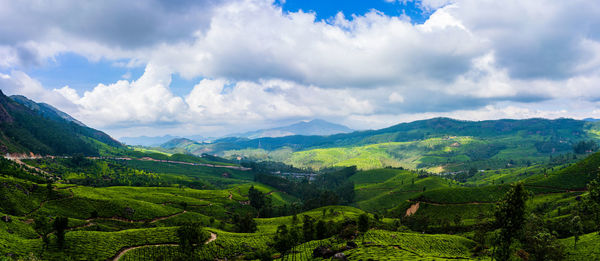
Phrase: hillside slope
[436,144]
[42,129]
[574,177]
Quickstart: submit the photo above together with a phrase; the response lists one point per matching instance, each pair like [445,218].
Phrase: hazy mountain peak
[307,127]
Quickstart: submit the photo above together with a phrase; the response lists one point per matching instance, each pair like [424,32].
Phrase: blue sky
[326,9]
[216,67]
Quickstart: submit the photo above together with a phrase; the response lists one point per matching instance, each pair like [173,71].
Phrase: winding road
[122,252]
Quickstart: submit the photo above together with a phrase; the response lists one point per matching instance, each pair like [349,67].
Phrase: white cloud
[367,51]
[146,100]
[395,98]
[19,83]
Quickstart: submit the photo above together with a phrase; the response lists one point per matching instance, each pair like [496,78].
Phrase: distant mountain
[157,141]
[307,128]
[177,143]
[591,119]
[27,126]
[147,141]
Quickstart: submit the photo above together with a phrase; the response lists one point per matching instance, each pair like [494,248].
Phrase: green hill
[427,144]
[574,177]
[40,130]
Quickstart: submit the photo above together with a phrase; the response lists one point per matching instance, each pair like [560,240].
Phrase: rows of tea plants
[446,246]
[227,245]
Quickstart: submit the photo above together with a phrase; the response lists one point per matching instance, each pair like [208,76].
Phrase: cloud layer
[259,65]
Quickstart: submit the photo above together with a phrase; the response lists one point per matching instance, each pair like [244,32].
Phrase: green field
[141,222]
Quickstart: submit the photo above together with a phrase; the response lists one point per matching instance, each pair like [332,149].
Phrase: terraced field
[387,245]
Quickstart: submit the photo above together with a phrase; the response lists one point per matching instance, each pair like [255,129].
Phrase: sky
[209,67]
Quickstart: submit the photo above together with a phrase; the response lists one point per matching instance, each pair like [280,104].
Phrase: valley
[293,130]
[429,190]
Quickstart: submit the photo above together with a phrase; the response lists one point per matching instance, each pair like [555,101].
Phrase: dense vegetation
[532,193]
[439,145]
[25,130]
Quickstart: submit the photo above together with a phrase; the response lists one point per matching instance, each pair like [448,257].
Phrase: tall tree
[363,224]
[594,199]
[189,236]
[60,225]
[257,198]
[510,217]
[44,228]
[308,228]
[244,223]
[576,229]
[322,230]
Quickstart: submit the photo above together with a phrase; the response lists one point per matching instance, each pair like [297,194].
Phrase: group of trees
[313,228]
[99,173]
[10,168]
[530,237]
[44,227]
[327,189]
[585,146]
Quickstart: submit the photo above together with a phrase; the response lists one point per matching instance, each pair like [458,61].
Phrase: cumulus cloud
[146,100]
[255,40]
[19,83]
[535,39]
[270,100]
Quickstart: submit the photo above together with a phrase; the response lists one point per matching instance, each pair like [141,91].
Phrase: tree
[363,224]
[480,230]
[285,239]
[510,217]
[49,190]
[539,243]
[257,199]
[585,147]
[244,223]
[190,236]
[44,228]
[457,220]
[322,231]
[594,199]
[308,228]
[60,225]
[576,229]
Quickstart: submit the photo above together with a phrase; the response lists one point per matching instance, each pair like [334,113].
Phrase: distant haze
[313,127]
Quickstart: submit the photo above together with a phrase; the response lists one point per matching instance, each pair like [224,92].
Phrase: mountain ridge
[45,109]
[43,129]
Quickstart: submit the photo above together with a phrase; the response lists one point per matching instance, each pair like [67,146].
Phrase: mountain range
[314,127]
[432,143]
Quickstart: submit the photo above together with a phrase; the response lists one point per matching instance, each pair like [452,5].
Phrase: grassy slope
[387,245]
[588,247]
[385,188]
[269,225]
[575,176]
[426,144]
